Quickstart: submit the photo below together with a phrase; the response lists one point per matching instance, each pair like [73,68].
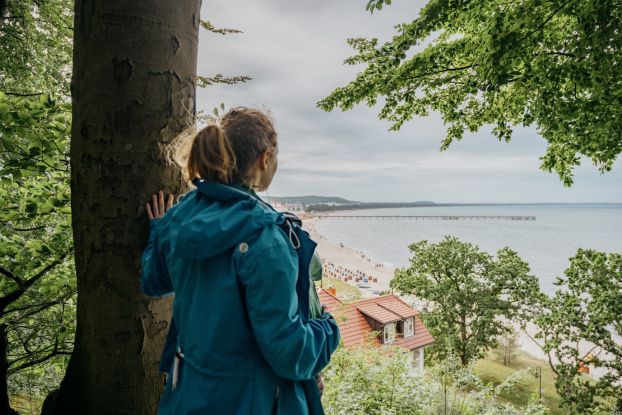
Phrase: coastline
[349,258]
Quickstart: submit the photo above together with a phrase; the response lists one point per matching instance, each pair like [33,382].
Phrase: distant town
[329,204]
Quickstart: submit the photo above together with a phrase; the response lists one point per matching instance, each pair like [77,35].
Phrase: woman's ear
[265,159]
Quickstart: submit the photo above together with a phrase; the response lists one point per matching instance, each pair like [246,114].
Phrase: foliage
[581,326]
[467,292]
[507,346]
[366,381]
[553,64]
[37,280]
[33,137]
[347,292]
[35,46]
[206,81]
[491,371]
[372,380]
[207,25]
[376,5]
[37,285]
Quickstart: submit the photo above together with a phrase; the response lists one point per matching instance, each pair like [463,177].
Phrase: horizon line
[455,203]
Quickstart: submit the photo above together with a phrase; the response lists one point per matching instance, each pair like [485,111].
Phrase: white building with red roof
[397,323]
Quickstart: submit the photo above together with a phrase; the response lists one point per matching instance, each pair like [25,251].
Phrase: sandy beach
[350,259]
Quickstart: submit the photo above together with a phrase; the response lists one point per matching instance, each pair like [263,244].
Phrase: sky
[294,51]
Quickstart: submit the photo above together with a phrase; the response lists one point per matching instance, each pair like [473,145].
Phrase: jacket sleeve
[154,279]
[295,349]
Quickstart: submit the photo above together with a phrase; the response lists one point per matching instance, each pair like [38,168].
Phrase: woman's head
[242,149]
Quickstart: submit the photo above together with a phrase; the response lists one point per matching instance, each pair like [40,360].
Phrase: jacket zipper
[275,406]
[178,358]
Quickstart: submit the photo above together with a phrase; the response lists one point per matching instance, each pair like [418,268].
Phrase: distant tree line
[321,207]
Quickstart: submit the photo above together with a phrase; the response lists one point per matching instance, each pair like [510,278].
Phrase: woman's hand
[159,207]
[319,379]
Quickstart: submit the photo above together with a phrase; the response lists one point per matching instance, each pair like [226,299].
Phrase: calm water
[546,244]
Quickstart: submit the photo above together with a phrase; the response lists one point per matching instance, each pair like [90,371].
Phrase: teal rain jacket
[243,344]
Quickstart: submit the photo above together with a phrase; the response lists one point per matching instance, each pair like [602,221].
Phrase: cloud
[295,50]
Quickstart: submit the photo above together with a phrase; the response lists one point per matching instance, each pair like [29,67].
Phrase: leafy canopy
[553,64]
[37,278]
[370,380]
[582,325]
[467,292]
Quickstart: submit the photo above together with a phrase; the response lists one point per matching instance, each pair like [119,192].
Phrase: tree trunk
[5,405]
[133,90]
[464,359]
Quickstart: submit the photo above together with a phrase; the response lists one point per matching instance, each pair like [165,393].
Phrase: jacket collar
[231,193]
[223,192]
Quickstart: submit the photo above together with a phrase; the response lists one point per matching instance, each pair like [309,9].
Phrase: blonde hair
[225,151]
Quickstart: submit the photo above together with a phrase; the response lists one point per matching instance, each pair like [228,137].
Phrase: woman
[244,343]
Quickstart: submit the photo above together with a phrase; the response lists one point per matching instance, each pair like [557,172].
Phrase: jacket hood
[217,217]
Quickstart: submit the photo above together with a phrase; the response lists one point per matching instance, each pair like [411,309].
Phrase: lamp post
[539,377]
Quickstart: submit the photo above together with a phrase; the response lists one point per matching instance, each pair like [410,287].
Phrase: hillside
[312,200]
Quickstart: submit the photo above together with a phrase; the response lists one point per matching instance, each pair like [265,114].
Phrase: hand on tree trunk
[159,207]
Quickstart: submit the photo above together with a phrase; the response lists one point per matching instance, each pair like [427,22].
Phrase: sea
[546,243]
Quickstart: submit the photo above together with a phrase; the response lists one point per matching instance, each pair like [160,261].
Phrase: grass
[344,290]
[492,370]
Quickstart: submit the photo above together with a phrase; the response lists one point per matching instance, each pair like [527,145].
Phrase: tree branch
[12,276]
[36,228]
[570,55]
[552,365]
[548,354]
[452,69]
[38,307]
[209,26]
[548,19]
[533,339]
[18,94]
[16,294]
[35,362]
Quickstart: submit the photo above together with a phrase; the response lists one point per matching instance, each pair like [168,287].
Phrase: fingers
[156,210]
[161,206]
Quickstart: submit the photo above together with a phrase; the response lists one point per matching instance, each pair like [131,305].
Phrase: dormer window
[389,333]
[409,327]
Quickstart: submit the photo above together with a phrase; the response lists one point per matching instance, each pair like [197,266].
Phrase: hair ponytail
[224,152]
[211,157]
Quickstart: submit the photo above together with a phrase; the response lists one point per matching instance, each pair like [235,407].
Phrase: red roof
[386,309]
[397,306]
[378,313]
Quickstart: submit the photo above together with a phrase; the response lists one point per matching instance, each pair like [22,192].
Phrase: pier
[428,217]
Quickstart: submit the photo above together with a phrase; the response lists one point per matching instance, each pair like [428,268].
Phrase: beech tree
[580,327]
[133,91]
[467,293]
[552,64]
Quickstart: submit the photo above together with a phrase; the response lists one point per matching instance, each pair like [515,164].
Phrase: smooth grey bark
[133,90]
